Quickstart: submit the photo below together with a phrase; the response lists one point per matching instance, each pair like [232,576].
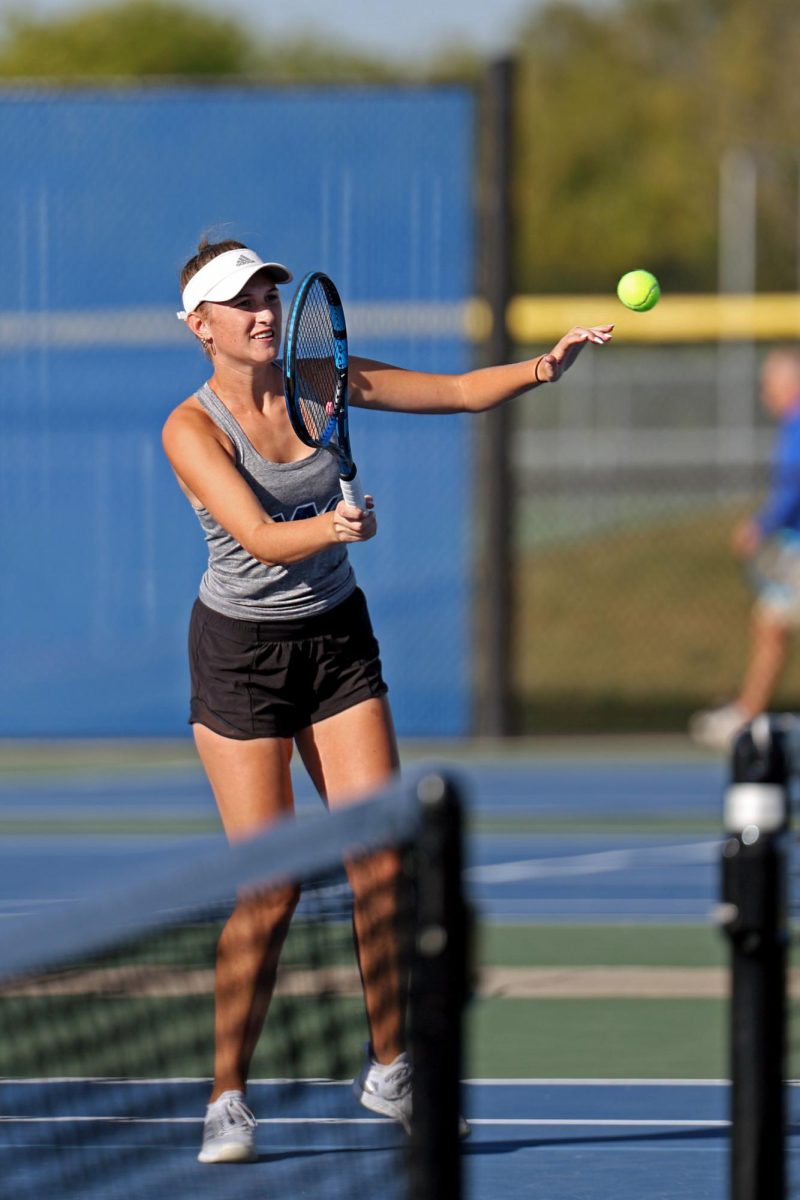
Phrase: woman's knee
[379,873]
[264,911]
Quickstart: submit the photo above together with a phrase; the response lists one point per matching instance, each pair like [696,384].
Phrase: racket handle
[353,493]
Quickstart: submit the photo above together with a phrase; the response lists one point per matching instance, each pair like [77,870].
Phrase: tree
[140,39]
[622,116]
[135,39]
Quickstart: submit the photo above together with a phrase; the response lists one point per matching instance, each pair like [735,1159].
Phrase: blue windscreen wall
[104,195]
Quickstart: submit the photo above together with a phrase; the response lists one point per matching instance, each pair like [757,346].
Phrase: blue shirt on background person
[768,545]
[781,509]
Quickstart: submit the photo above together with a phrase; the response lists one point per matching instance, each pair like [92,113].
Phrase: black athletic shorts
[253,679]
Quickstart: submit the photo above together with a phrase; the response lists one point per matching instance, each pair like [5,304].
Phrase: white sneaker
[715,728]
[386,1089]
[229,1131]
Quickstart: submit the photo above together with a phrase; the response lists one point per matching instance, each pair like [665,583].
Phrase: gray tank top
[237,584]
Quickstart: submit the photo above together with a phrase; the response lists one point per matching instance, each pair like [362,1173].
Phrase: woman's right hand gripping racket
[315,375]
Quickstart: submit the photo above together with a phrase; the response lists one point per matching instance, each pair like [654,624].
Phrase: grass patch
[633,629]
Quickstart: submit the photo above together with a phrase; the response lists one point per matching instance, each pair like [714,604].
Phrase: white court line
[511,1081]
[119,1120]
[646,1083]
[508,1122]
[591,1123]
[598,863]
[110,1081]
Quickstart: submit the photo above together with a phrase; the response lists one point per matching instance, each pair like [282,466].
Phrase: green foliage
[170,39]
[622,115]
[135,39]
[634,629]
[307,59]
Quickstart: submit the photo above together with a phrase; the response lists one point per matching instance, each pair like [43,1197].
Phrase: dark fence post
[494,500]
[754,914]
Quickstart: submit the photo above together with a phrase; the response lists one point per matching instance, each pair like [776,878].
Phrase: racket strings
[315,366]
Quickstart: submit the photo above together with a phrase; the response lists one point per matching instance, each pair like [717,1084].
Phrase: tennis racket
[315,375]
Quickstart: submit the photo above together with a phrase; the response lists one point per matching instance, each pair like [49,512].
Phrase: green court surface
[600,945]
[597,1039]
[581,1035]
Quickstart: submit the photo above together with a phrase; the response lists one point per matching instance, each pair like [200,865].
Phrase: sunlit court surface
[596,1036]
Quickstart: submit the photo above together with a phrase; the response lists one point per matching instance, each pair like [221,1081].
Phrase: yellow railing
[676,318]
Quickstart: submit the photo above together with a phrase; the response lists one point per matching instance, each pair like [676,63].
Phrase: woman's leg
[348,756]
[769,650]
[250,779]
[252,787]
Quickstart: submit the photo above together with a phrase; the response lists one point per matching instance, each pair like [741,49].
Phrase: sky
[393,30]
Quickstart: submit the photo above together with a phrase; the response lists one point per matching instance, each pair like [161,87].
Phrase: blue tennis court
[565,1140]
[551,878]
[573,874]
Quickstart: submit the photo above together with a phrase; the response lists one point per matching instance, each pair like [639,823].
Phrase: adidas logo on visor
[243,260]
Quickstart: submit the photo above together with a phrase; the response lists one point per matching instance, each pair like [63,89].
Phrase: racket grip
[353,493]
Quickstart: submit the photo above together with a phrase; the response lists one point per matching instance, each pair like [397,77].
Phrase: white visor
[224,277]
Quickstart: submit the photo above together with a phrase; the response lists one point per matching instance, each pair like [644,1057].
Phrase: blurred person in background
[768,543]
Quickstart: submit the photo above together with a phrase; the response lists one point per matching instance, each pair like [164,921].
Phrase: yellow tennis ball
[638,290]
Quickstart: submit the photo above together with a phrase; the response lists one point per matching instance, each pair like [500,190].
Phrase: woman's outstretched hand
[552,366]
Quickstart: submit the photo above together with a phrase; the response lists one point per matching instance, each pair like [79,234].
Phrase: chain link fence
[630,610]
[106,193]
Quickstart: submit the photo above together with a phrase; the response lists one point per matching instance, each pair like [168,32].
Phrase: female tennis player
[281,647]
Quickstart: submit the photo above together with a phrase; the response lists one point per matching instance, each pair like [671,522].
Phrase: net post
[438,994]
[754,916]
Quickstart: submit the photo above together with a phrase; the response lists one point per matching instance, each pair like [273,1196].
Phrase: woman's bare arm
[379,385]
[207,471]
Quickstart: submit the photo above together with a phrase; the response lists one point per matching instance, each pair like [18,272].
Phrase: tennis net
[107,1014]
